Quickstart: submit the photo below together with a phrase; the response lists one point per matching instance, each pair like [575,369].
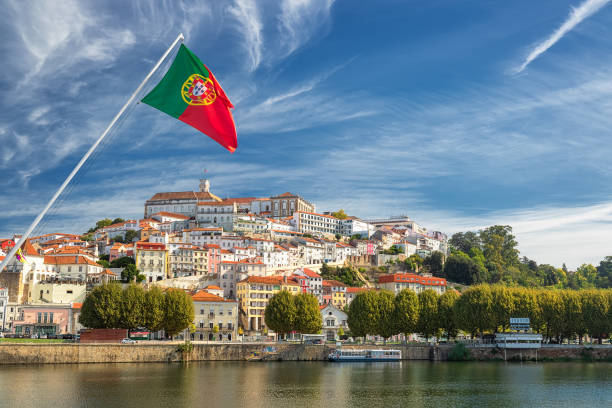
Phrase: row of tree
[286,313]
[557,314]
[109,307]
[491,256]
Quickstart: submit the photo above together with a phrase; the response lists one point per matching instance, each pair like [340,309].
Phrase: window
[51,317]
[39,319]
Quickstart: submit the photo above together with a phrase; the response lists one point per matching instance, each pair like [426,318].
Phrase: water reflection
[307,384]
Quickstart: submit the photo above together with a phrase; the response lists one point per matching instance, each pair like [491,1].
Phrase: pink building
[48,319]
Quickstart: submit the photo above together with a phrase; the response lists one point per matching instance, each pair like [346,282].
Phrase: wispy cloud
[299,20]
[248,22]
[577,15]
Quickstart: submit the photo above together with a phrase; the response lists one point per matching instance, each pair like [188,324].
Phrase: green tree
[117,221]
[281,312]
[499,246]
[130,235]
[447,320]
[406,312]
[473,309]
[132,307]
[595,306]
[122,262]
[413,263]
[154,309]
[101,308]
[465,241]
[572,323]
[461,268]
[585,277]
[103,223]
[104,263]
[427,323]
[385,325]
[340,214]
[502,306]
[434,263]
[308,316]
[178,311]
[604,273]
[129,273]
[551,310]
[363,314]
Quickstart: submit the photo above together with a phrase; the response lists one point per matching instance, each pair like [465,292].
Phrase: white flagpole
[25,236]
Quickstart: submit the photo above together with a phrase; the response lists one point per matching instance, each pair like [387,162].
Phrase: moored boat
[347,355]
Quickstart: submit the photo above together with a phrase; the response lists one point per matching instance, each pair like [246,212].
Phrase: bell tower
[204,185]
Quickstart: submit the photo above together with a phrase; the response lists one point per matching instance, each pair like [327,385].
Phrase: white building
[184,202]
[334,319]
[417,283]
[312,223]
[354,226]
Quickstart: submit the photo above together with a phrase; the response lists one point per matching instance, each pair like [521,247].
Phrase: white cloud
[299,20]
[577,15]
[246,15]
[38,113]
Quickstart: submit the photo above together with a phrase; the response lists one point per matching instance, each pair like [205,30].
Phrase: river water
[308,384]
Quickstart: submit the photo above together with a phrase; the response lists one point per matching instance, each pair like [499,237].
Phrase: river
[308,384]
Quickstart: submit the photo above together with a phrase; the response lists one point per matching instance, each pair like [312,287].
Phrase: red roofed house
[215,318]
[254,292]
[334,292]
[315,281]
[152,260]
[417,283]
[351,292]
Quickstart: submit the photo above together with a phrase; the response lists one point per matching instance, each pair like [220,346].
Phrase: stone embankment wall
[141,353]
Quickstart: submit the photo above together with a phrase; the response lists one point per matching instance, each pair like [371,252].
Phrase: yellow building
[334,292]
[152,260]
[254,293]
[188,261]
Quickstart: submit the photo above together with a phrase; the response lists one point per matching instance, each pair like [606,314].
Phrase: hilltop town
[232,255]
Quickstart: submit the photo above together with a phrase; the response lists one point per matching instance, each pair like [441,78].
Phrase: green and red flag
[190,93]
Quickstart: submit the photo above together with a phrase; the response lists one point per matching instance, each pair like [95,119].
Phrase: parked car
[128,341]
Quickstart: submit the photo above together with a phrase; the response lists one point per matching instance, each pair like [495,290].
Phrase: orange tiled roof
[172,215]
[69,260]
[334,283]
[203,296]
[184,195]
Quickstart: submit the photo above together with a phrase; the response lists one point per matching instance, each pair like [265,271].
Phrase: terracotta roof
[352,289]
[172,215]
[213,287]
[69,260]
[203,296]
[334,283]
[287,194]
[270,280]
[184,195]
[310,273]
[411,277]
[76,305]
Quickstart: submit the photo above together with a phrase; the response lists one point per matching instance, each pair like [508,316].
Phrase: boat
[347,355]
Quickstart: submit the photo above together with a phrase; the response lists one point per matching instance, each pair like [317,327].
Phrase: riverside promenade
[61,353]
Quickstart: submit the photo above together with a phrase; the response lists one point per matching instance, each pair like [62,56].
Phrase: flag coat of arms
[190,93]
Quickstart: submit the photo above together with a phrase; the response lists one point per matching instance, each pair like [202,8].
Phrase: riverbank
[160,352]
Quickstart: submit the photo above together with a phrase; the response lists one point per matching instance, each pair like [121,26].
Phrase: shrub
[459,353]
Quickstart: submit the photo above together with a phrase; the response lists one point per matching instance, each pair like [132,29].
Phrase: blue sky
[460,114]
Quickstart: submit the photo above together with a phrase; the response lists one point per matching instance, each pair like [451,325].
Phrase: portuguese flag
[190,93]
